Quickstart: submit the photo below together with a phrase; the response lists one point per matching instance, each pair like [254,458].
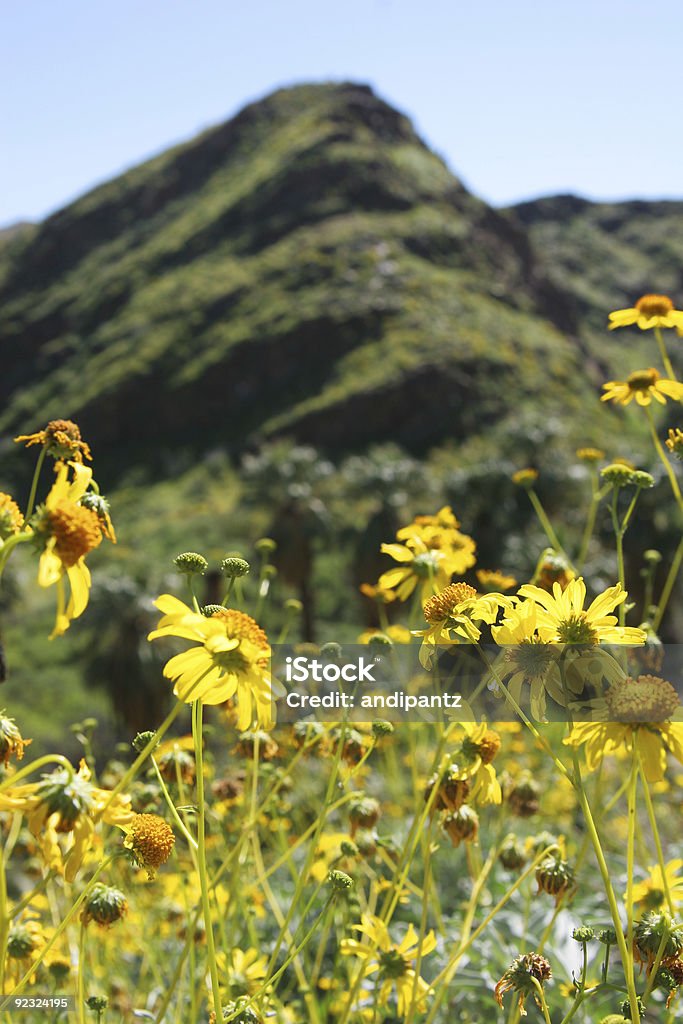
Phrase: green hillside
[308,268]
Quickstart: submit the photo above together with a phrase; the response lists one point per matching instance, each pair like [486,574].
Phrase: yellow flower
[150,840]
[643,385]
[396,633]
[636,717]
[561,618]
[66,803]
[528,659]
[392,962]
[245,970]
[69,532]
[650,740]
[377,593]
[474,759]
[552,567]
[492,581]
[652,890]
[525,477]
[649,311]
[452,614]
[430,568]
[674,442]
[232,658]
[436,530]
[11,519]
[590,455]
[61,438]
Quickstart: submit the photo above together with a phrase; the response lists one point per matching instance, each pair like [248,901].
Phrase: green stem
[626,957]
[655,832]
[541,1000]
[12,780]
[662,456]
[191,841]
[81,975]
[201,857]
[545,523]
[630,846]
[664,354]
[34,483]
[596,498]
[581,994]
[619,538]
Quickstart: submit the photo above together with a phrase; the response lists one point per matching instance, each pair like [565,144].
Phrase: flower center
[392,964]
[645,699]
[66,795]
[642,380]
[234,661]
[151,840]
[531,657]
[440,606]
[576,630]
[76,530]
[242,626]
[654,305]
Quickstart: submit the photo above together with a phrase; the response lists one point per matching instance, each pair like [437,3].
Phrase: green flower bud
[607,936]
[265,546]
[626,1008]
[104,905]
[381,728]
[617,474]
[339,881]
[293,606]
[512,855]
[97,1003]
[191,564]
[583,933]
[212,609]
[642,479]
[142,739]
[233,568]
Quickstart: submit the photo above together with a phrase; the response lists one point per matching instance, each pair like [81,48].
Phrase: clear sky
[521,97]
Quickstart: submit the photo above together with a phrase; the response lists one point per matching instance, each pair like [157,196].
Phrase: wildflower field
[246,859]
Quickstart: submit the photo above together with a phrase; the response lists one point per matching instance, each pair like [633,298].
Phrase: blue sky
[521,98]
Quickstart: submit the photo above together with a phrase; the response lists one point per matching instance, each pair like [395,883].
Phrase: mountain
[311,268]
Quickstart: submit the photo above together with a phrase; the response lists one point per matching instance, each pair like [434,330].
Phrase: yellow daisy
[474,758]
[561,618]
[636,717]
[643,385]
[430,568]
[11,519]
[529,660]
[651,892]
[69,531]
[649,311]
[66,803]
[451,616]
[231,659]
[392,962]
[61,439]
